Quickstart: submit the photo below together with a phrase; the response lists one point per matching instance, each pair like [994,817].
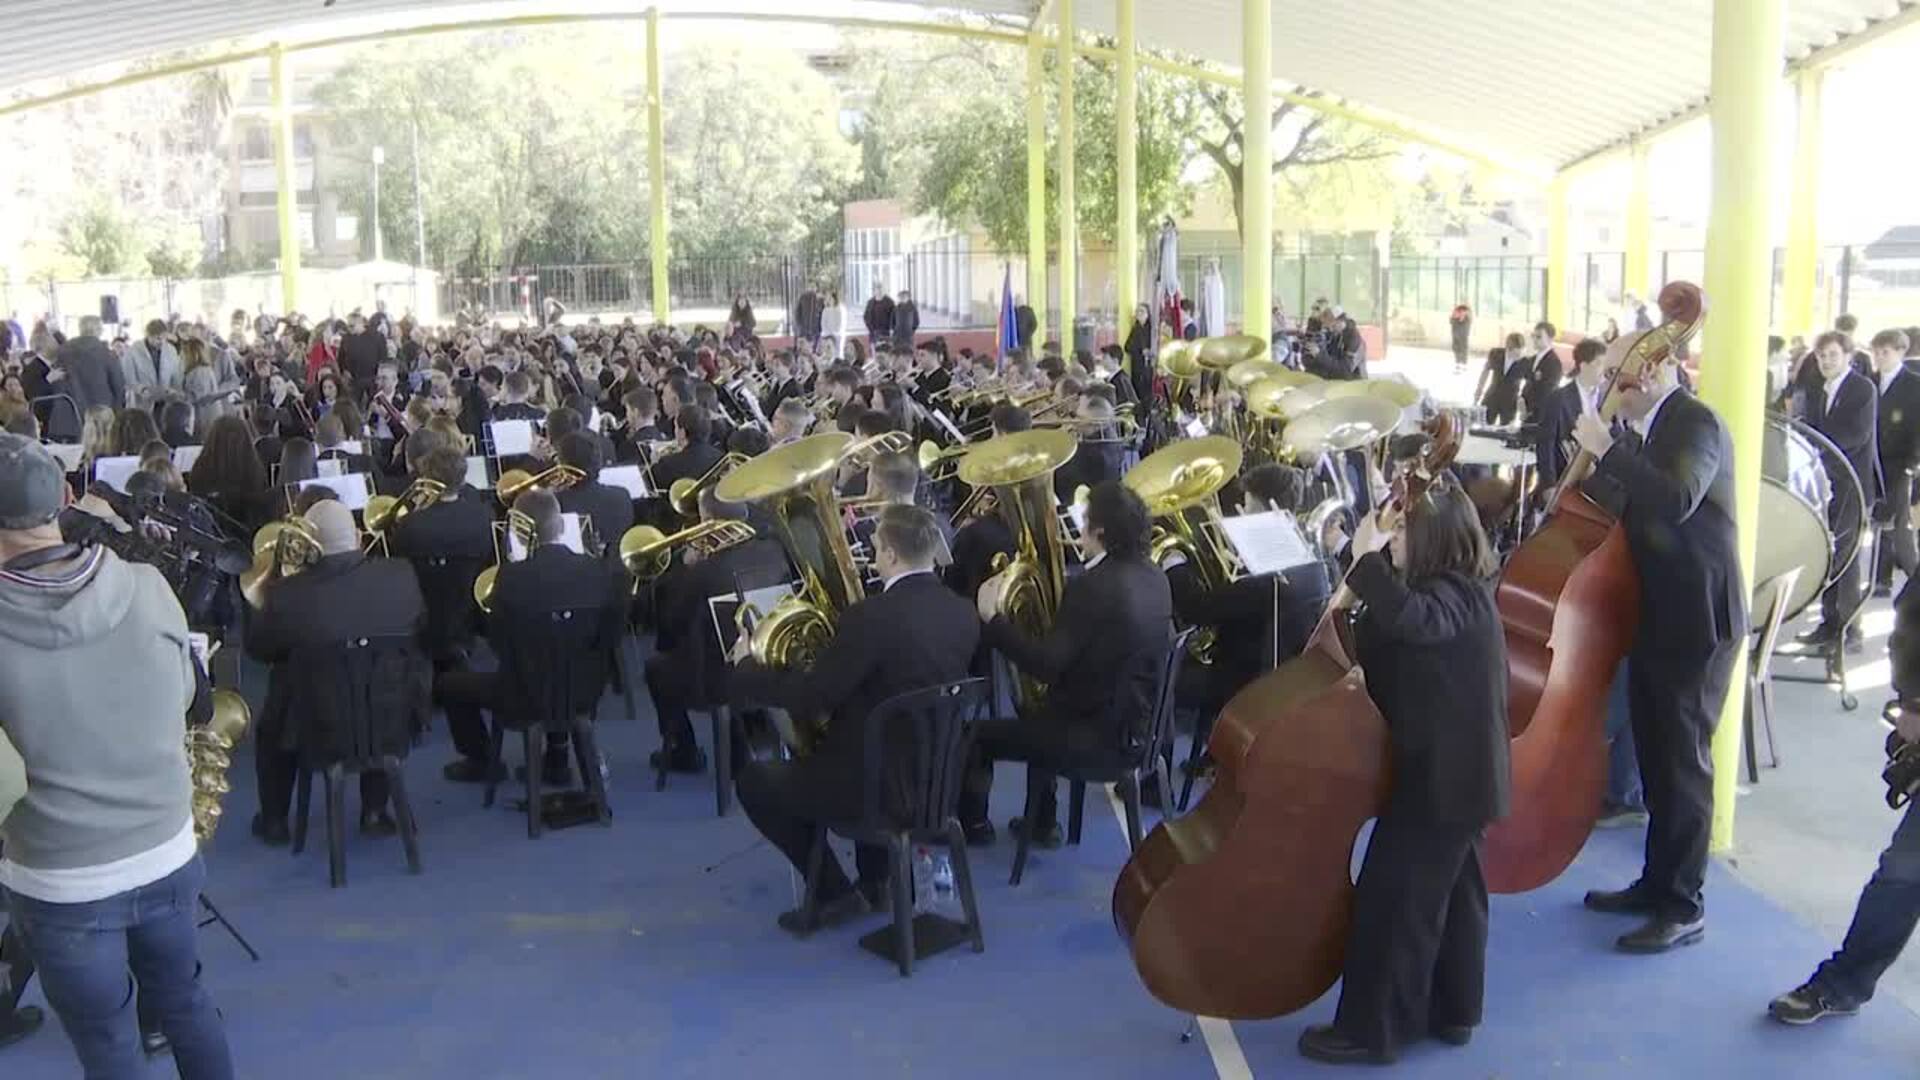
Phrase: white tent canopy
[1545,82]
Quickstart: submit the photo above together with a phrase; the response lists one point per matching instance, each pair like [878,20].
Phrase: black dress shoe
[1322,1042]
[1627,901]
[472,771]
[1819,635]
[1453,1034]
[1150,794]
[979,834]
[836,912]
[1808,1003]
[1047,837]
[271,831]
[1882,592]
[378,823]
[691,761]
[1660,935]
[20,1024]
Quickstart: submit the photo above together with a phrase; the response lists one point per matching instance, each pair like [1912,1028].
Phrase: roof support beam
[1639,225]
[1803,209]
[1126,144]
[285,202]
[1748,36]
[1037,180]
[659,240]
[1069,224]
[1256,156]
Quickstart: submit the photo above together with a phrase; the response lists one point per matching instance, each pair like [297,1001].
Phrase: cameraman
[100,869]
[1889,906]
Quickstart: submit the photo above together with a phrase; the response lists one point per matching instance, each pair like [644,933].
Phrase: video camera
[175,533]
[1902,774]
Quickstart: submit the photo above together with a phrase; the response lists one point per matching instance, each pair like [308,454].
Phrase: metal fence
[1503,291]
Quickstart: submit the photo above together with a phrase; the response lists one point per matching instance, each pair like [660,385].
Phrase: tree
[1303,139]
[102,237]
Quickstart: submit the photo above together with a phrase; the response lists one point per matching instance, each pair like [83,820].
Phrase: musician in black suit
[1506,375]
[688,667]
[1435,658]
[1845,408]
[979,537]
[609,508]
[642,427]
[1579,395]
[1099,456]
[513,404]
[1671,476]
[342,597]
[912,636]
[449,542]
[1099,661]
[694,451]
[1899,447]
[1546,369]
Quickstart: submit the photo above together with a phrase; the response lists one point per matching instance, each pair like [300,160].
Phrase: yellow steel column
[1803,210]
[1747,42]
[1069,227]
[1639,226]
[1037,182]
[1126,144]
[1256,189]
[657,173]
[286,202]
[1559,222]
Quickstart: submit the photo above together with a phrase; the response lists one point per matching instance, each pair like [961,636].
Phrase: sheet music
[511,438]
[477,474]
[350,446]
[113,471]
[1077,513]
[331,467]
[1268,543]
[628,478]
[184,457]
[722,609]
[570,538]
[351,487]
[67,454]
[1197,429]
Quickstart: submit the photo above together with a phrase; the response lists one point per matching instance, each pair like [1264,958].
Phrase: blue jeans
[90,954]
[1623,769]
[1882,921]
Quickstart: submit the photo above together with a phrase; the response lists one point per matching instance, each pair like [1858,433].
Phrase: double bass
[1569,601]
[1240,908]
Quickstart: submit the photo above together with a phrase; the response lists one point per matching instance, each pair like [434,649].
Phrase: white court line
[1229,1061]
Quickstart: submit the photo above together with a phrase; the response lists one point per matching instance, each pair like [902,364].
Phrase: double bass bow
[1240,908]
[1569,601]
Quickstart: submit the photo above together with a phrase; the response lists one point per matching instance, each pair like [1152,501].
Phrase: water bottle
[943,895]
[923,875]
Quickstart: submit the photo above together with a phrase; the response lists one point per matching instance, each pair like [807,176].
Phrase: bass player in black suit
[1899,439]
[1671,476]
[914,635]
[1099,661]
[1844,408]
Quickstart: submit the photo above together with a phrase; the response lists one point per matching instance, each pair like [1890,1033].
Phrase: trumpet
[517,482]
[684,494]
[520,524]
[281,549]
[647,552]
[384,512]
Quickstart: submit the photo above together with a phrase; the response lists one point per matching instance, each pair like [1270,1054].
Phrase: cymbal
[1345,423]
[1248,371]
[1013,459]
[1221,353]
[1181,359]
[779,471]
[1185,473]
[1268,397]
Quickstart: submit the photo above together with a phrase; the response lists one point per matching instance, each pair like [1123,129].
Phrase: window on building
[256,144]
[302,140]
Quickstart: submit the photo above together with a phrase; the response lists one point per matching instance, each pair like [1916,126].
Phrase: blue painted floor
[650,950]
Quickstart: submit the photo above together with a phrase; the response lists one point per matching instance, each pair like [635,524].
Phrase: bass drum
[1812,510]
[1794,536]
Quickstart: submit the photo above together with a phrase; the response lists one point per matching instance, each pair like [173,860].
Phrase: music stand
[214,915]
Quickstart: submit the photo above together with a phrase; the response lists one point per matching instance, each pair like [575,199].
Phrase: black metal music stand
[214,916]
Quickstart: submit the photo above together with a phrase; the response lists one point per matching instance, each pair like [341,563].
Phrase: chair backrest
[1777,592]
[915,754]
[446,584]
[555,664]
[1160,720]
[359,699]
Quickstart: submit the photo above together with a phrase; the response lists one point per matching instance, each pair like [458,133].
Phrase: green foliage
[101,237]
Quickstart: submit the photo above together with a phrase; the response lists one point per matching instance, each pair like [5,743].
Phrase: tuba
[210,755]
[1019,470]
[384,512]
[519,524]
[281,549]
[1181,486]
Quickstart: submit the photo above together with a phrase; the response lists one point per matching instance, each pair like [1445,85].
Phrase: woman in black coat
[1138,342]
[1433,651]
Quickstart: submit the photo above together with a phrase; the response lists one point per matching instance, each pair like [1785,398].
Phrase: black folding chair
[554,674]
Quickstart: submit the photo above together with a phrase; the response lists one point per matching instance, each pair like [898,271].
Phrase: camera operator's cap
[333,526]
[33,489]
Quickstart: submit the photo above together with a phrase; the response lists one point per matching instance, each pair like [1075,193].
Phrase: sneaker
[1805,1004]
[1621,817]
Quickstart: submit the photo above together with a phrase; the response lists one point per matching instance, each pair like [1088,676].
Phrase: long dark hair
[1444,536]
[133,429]
[298,461]
[228,463]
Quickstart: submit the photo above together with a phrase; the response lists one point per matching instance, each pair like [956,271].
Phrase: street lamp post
[379,159]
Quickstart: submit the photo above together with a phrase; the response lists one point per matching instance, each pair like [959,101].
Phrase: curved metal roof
[1540,81]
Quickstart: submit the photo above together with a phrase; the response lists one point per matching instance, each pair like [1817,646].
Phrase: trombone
[684,494]
[519,524]
[517,482]
[384,512]
[861,455]
[647,552]
[939,462]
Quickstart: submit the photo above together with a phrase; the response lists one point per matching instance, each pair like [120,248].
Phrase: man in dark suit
[1099,661]
[688,666]
[449,543]
[912,636]
[906,322]
[1671,477]
[1580,395]
[642,426]
[1344,356]
[1100,455]
[85,370]
[362,352]
[1546,370]
[1899,444]
[1845,408]
[694,451]
[342,597]
[608,507]
[1025,323]
[878,316]
[1507,372]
